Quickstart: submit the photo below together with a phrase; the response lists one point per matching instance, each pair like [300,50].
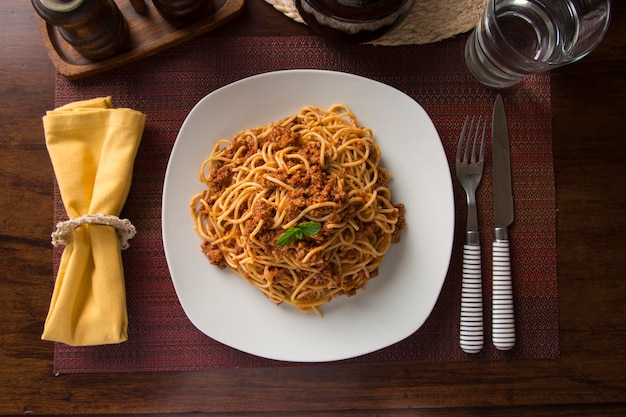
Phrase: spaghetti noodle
[317,166]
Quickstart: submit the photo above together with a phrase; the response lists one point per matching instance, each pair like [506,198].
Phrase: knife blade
[503,324]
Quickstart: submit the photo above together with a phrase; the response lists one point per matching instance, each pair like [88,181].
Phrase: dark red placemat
[167,86]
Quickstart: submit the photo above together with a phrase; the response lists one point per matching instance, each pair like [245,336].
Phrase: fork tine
[471,157]
[482,141]
[478,138]
[459,148]
[475,140]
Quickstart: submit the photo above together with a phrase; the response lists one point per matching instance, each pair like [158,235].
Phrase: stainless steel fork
[469,171]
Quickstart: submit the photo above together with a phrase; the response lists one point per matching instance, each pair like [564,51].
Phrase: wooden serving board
[150,33]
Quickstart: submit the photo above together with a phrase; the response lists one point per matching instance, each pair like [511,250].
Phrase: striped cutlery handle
[471,301]
[503,334]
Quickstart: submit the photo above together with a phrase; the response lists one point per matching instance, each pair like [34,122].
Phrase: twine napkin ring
[125,229]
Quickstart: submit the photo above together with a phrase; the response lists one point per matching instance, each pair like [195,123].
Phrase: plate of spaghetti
[307,215]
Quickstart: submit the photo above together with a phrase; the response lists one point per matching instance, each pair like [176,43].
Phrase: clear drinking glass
[518,38]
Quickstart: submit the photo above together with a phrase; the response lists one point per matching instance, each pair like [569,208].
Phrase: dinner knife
[503,325]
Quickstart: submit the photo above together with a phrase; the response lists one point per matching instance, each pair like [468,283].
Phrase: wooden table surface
[589,131]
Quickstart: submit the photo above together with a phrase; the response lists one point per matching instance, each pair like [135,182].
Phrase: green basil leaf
[295,233]
[287,238]
[310,228]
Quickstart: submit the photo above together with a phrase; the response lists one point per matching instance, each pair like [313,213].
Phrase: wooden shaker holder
[149,32]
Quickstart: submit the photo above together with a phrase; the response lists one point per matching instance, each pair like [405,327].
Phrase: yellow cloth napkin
[92,147]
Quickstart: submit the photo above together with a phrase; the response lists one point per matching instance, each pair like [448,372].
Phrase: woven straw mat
[428,20]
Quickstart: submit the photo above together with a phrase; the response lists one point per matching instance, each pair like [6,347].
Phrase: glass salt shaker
[95,28]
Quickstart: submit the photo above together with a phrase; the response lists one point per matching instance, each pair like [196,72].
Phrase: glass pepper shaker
[183,12]
[95,28]
[352,20]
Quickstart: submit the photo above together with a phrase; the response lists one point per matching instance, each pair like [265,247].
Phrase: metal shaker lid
[61,6]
